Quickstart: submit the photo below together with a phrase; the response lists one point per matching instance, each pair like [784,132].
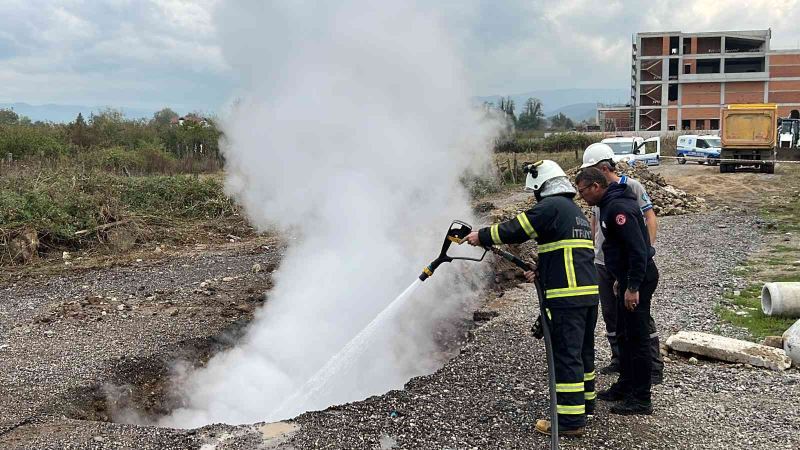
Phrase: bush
[558,142]
[58,203]
[27,141]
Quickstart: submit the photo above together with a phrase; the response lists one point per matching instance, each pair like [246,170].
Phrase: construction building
[679,80]
[614,117]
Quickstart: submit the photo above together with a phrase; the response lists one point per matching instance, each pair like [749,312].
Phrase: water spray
[457,232]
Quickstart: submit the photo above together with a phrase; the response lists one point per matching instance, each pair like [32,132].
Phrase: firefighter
[629,259]
[569,280]
[601,156]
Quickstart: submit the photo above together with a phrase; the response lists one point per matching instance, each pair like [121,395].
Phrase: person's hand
[473,239]
[631,300]
[530,276]
[616,288]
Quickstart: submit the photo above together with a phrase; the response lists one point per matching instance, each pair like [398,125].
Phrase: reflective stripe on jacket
[566,251]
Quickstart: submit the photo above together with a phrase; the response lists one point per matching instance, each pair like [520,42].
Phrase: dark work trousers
[633,332]
[572,330]
[608,304]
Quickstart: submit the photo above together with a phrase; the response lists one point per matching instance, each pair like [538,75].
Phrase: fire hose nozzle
[455,235]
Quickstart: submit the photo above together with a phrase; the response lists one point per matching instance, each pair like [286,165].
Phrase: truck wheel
[712,161]
[767,168]
[723,168]
[681,160]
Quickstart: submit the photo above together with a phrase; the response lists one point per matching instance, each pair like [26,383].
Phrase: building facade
[679,81]
[614,117]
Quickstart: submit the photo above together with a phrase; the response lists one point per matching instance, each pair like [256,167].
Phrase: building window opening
[686,124]
[739,45]
[714,124]
[744,65]
[708,66]
[673,92]
[699,124]
[674,42]
[687,69]
[673,69]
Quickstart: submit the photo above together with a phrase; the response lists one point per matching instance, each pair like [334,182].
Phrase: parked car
[634,150]
[693,146]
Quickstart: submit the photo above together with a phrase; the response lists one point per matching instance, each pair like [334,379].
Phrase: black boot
[612,394]
[630,407]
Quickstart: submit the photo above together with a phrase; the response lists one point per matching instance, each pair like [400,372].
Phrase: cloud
[170,52]
[133,53]
[583,43]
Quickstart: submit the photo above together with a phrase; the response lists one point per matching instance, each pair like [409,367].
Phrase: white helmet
[541,171]
[595,153]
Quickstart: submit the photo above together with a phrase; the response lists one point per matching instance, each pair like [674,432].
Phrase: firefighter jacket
[566,252]
[627,248]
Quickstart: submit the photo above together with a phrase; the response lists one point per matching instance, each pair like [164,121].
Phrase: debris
[227,279]
[65,256]
[773,341]
[22,247]
[484,316]
[256,268]
[667,199]
[728,349]
[693,360]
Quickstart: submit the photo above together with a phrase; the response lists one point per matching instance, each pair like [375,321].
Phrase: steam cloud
[351,137]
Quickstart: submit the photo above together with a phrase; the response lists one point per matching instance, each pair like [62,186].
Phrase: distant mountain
[556,100]
[576,112]
[67,113]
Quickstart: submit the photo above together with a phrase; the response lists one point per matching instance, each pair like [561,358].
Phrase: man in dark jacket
[569,279]
[629,258]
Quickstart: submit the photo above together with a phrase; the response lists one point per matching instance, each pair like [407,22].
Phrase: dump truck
[749,135]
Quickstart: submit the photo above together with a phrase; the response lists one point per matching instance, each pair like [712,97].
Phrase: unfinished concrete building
[679,80]
[614,117]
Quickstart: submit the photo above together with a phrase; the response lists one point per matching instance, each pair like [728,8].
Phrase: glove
[536,329]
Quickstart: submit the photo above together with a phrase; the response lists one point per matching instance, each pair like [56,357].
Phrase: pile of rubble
[667,199]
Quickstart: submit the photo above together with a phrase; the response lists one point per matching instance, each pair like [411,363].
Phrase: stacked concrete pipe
[791,343]
[781,299]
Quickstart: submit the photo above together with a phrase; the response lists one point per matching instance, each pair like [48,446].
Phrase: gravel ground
[486,397]
[65,339]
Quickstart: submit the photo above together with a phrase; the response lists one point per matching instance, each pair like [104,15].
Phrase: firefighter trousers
[572,332]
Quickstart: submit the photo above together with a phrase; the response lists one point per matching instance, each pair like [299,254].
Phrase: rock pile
[667,199]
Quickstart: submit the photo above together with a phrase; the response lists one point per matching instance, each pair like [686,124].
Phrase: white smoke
[351,136]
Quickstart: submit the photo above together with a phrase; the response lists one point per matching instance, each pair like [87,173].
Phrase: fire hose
[455,234]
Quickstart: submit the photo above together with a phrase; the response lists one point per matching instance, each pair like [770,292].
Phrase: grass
[785,214]
[59,202]
[745,311]
[776,263]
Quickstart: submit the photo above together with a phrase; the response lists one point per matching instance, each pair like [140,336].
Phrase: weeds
[745,311]
[62,204]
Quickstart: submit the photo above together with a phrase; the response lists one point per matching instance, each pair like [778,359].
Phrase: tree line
[532,116]
[194,136]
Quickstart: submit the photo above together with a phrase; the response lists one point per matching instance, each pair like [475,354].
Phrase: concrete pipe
[781,299]
[791,343]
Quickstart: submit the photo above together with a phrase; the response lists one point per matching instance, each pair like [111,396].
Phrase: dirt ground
[739,190]
[79,342]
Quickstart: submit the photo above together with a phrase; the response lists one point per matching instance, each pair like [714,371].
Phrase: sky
[155,53]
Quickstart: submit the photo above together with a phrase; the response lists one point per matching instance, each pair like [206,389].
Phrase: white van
[707,147]
[635,149]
